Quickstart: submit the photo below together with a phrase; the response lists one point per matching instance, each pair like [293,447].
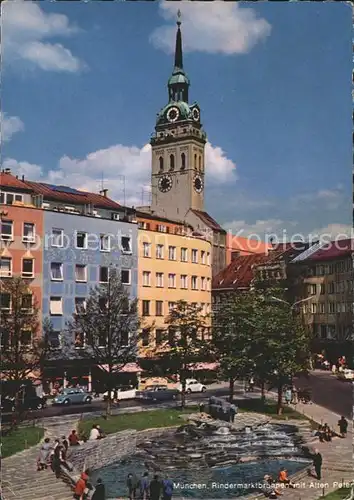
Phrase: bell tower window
[200,162]
[172,162]
[183,161]
[195,161]
[161,163]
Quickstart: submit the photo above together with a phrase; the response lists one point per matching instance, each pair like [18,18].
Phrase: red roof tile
[239,273]
[78,198]
[9,180]
[208,220]
[334,250]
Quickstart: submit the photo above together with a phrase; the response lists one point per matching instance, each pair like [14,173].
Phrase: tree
[183,344]
[232,338]
[105,329]
[23,346]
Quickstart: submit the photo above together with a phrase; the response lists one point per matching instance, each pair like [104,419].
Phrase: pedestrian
[288,396]
[44,455]
[155,488]
[73,439]
[284,479]
[327,433]
[294,399]
[101,433]
[233,411]
[201,407]
[132,484]
[65,444]
[144,486]
[343,426]
[95,433]
[317,463]
[100,491]
[167,489]
[58,461]
[251,384]
[334,369]
[81,487]
[320,433]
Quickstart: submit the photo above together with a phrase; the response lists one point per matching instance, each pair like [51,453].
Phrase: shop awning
[128,368]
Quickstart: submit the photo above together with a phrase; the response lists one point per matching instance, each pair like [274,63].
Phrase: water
[202,462]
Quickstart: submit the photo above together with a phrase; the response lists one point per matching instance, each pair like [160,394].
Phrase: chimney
[234,255]
[104,192]
[23,178]
[7,170]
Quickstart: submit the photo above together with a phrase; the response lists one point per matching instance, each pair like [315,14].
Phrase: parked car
[154,393]
[121,392]
[346,374]
[27,403]
[69,396]
[192,385]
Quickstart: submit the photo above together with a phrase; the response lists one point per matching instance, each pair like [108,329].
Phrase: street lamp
[294,304]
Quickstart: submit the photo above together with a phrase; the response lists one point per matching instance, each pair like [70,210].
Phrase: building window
[80,305]
[7,230]
[9,198]
[171,280]
[26,338]
[183,161]
[194,256]
[146,307]
[172,335]
[313,308]
[171,306]
[202,283]
[146,278]
[161,228]
[322,307]
[159,336]
[27,268]
[80,272]
[56,306]
[323,288]
[312,289]
[184,255]
[105,243]
[29,234]
[126,244]
[56,271]
[159,307]
[146,249]
[202,256]
[331,307]
[6,267]
[125,276]
[103,278]
[331,287]
[81,240]
[159,280]
[172,253]
[172,162]
[208,258]
[194,282]
[159,251]
[5,302]
[184,281]
[145,337]
[161,163]
[57,237]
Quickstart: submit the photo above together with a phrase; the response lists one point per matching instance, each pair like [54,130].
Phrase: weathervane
[179,18]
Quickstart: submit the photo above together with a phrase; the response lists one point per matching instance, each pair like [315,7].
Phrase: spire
[178,51]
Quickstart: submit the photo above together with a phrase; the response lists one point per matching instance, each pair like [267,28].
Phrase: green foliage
[20,439]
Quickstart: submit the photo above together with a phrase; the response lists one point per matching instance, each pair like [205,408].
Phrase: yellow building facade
[173,264]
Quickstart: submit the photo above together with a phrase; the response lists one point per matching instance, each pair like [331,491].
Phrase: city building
[240,245]
[178,162]
[22,230]
[327,291]
[174,263]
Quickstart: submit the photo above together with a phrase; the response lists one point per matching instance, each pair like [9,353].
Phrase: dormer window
[161,163]
[183,161]
[172,162]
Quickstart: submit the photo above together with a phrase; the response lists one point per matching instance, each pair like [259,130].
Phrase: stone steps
[37,489]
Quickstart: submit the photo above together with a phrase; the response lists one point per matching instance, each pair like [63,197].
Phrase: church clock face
[172,114]
[198,184]
[195,114]
[165,183]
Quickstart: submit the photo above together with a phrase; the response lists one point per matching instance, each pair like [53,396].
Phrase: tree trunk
[280,397]
[263,391]
[231,389]
[109,405]
[183,394]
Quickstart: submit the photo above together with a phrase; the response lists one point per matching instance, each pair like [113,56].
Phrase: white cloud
[260,228]
[10,125]
[213,27]
[24,27]
[113,164]
[333,232]
[329,199]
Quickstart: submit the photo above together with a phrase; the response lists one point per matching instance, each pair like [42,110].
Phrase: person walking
[167,489]
[288,396]
[233,411]
[144,486]
[81,486]
[44,455]
[155,488]
[58,460]
[100,491]
[343,426]
[132,484]
[65,444]
[317,463]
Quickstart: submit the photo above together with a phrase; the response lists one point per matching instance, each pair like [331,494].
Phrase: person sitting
[343,426]
[81,486]
[283,478]
[327,433]
[95,433]
[73,439]
[320,433]
[101,433]
[269,488]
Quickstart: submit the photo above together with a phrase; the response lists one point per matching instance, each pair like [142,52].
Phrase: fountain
[207,455]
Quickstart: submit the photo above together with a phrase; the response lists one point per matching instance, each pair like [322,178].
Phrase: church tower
[177,178]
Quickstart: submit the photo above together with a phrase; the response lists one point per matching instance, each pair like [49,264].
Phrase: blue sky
[82,83]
